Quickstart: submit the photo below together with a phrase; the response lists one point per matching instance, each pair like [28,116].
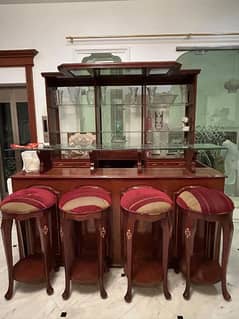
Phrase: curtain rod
[203,48]
[155,36]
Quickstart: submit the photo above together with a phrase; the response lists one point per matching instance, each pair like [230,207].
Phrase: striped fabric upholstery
[84,200]
[205,200]
[28,200]
[146,200]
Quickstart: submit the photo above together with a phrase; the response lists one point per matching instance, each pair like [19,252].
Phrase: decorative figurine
[31,162]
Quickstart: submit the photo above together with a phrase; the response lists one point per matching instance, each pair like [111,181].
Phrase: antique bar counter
[118,125]
[116,180]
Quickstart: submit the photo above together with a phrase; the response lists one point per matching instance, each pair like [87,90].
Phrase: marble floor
[148,303]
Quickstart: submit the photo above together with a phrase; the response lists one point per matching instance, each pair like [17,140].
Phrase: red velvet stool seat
[146,204]
[210,205]
[86,203]
[30,204]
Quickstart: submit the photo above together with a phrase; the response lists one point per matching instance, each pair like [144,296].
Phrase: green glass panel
[217,111]
[218,87]
[121,71]
[82,72]
[159,71]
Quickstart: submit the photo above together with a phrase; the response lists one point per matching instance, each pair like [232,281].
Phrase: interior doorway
[15,67]
[14,128]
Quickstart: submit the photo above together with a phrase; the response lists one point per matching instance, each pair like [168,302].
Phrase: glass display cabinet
[118,120]
[143,112]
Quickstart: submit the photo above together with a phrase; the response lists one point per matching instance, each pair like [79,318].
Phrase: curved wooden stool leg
[129,255]
[124,218]
[65,233]
[175,220]
[55,236]
[189,233]
[166,237]
[217,241]
[20,240]
[101,235]
[106,243]
[6,229]
[43,227]
[227,227]
[156,239]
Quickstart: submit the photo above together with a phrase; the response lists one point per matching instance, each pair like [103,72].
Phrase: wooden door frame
[23,58]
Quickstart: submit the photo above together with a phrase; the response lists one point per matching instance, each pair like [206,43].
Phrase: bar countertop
[122,173]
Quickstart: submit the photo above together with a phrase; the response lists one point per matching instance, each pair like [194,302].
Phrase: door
[14,129]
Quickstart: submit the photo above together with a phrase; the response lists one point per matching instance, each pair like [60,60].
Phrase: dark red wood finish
[85,268]
[38,265]
[156,269]
[117,180]
[143,77]
[204,269]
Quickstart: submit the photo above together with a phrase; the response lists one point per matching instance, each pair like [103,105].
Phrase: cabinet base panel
[30,269]
[203,270]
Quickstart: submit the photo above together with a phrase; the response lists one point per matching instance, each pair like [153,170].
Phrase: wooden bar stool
[200,203]
[84,204]
[147,204]
[33,203]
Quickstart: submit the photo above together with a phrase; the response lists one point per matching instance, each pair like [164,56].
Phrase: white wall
[12,75]
[44,26]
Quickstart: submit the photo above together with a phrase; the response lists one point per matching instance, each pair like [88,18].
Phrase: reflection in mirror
[217,117]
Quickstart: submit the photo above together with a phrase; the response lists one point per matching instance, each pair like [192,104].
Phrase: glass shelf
[174,130]
[122,146]
[207,146]
[160,105]
[76,105]
[122,105]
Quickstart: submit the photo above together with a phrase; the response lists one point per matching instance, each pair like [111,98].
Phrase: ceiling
[47,1]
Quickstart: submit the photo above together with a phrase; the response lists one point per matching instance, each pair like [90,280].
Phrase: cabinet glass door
[166,122]
[121,116]
[76,115]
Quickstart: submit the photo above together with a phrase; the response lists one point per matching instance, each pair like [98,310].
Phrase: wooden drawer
[79,163]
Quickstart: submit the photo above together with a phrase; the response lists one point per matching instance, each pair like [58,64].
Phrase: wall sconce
[231,85]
